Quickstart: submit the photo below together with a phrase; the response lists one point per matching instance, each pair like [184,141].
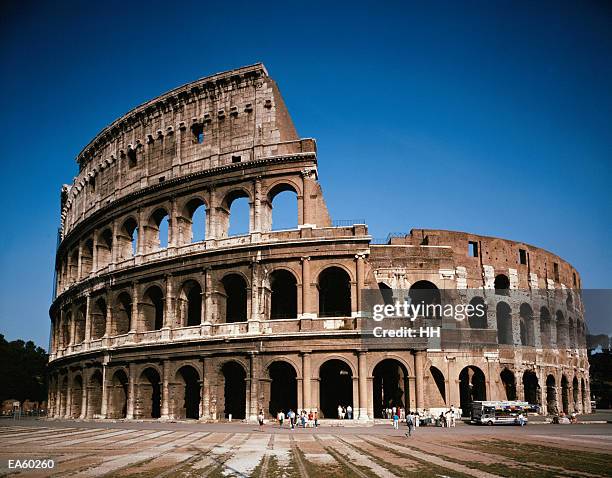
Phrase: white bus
[501,412]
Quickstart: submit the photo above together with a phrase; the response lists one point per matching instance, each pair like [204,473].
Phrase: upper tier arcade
[208,125]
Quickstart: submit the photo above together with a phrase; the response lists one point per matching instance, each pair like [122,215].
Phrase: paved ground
[153,449]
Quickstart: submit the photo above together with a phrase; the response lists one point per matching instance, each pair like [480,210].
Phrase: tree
[22,371]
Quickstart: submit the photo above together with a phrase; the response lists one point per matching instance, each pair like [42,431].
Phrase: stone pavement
[153,449]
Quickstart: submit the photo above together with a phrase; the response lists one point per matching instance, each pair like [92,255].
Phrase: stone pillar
[87,319]
[254,318]
[109,316]
[209,317]
[68,413]
[104,407]
[141,233]
[307,309]
[115,247]
[169,302]
[362,413]
[419,359]
[94,253]
[131,398]
[165,398]
[306,214]
[306,381]
[360,279]
[84,395]
[206,386]
[173,225]
[73,325]
[135,322]
[257,209]
[80,262]
[253,390]
[211,219]
[58,396]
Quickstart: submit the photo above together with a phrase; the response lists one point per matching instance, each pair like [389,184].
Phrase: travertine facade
[145,326]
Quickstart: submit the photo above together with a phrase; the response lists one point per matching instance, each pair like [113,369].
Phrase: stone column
[68,413]
[108,330]
[94,253]
[173,226]
[169,301]
[104,407]
[360,279]
[58,399]
[115,247]
[306,381]
[206,385]
[253,390]
[254,318]
[141,233]
[135,322]
[257,212]
[87,318]
[307,310]
[306,214]
[80,262]
[165,398]
[209,316]
[362,413]
[131,398]
[73,325]
[84,395]
[419,359]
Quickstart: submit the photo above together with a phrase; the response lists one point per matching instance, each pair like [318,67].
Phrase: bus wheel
[489,423]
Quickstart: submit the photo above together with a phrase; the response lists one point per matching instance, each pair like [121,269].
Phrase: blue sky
[491,117]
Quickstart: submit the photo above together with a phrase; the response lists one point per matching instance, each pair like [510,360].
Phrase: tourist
[349,412]
[291,416]
[303,417]
[409,423]
[260,418]
[396,421]
[339,412]
[521,419]
[281,418]
[452,416]
[442,419]
[417,420]
[316,419]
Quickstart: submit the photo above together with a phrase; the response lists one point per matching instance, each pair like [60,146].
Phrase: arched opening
[73,266]
[334,293]
[98,319]
[502,284]
[63,397]
[65,328]
[283,388]
[79,326]
[235,289]
[87,258]
[545,327]
[237,214]
[122,316]
[149,395]
[193,222]
[76,399]
[565,394]
[386,293]
[575,394]
[188,393]
[283,304]
[335,387]
[478,317]
[561,330]
[551,395]
[153,309]
[390,381]
[118,395]
[191,304]
[157,231]
[571,333]
[104,248]
[531,387]
[504,323]
[471,388]
[527,332]
[234,390]
[583,395]
[282,208]
[94,397]
[426,293]
[127,239]
[509,383]
[435,387]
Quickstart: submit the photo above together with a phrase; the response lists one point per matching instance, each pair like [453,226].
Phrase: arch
[73,266]
[94,396]
[390,382]
[79,327]
[87,258]
[575,394]
[118,395]
[284,197]
[98,319]
[234,390]
[476,319]
[569,302]
[509,383]
[471,387]
[193,221]
[157,230]
[501,284]
[504,323]
[127,238]
[190,304]
[386,293]
[565,394]
[545,327]
[283,387]
[583,395]
[335,387]
[526,325]
[65,329]
[531,387]
[283,304]
[234,303]
[122,314]
[551,395]
[76,398]
[188,392]
[152,308]
[334,287]
[104,248]
[234,216]
[426,293]
[436,387]
[149,394]
[561,330]
[63,396]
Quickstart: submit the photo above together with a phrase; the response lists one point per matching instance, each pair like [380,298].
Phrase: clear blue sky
[491,117]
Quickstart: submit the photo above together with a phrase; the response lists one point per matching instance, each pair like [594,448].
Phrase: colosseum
[161,313]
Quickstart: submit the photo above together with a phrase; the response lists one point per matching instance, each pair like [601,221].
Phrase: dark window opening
[234,390]
[501,284]
[198,133]
[522,256]
[334,293]
[574,278]
[236,159]
[556,271]
[131,154]
[473,249]
[284,295]
[162,179]
[235,298]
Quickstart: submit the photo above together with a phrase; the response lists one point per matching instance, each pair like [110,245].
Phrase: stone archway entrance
[551,395]
[148,403]
[283,388]
[471,388]
[390,386]
[234,390]
[118,395]
[336,387]
[531,387]
[188,392]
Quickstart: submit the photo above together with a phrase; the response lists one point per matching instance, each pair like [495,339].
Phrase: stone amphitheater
[160,313]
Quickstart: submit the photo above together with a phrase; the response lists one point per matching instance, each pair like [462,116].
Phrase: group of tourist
[415,419]
[345,412]
[302,418]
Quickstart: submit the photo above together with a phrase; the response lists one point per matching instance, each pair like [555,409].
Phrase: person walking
[280,416]
[291,416]
[396,421]
[417,419]
[409,423]
[339,412]
[260,419]
[349,412]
